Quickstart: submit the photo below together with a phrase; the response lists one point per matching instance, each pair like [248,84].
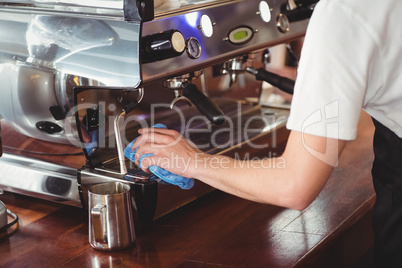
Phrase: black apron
[387,211]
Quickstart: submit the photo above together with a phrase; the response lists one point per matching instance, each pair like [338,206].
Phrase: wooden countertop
[216,230]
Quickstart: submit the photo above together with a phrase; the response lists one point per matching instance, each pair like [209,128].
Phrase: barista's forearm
[292,180]
[267,181]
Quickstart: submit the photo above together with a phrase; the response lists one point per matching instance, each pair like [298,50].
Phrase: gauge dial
[193,48]
[282,22]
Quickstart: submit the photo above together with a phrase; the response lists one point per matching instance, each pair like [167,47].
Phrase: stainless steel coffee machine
[89,74]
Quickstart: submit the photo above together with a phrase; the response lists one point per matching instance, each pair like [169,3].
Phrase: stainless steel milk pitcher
[111,225]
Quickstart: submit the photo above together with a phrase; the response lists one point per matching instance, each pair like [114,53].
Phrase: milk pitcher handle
[97,215]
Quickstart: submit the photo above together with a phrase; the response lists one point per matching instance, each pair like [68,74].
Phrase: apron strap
[387,211]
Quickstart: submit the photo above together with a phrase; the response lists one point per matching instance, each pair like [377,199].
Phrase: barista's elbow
[298,199]
[300,205]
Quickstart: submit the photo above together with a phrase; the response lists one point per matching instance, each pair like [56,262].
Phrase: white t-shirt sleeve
[333,73]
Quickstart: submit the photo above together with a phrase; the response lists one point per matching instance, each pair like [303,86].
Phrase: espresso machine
[89,74]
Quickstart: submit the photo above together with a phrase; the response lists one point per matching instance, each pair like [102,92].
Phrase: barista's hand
[170,150]
[85,135]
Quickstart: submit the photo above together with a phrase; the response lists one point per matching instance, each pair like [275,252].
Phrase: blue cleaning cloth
[182,182]
[91,146]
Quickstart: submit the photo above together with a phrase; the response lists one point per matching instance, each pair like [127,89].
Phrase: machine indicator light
[240,35]
[265,11]
[178,42]
[206,26]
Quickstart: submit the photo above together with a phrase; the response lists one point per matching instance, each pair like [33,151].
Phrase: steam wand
[119,144]
[145,190]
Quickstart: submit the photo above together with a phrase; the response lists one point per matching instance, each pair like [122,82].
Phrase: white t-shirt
[351,59]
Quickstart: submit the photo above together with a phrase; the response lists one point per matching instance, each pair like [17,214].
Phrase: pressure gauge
[193,48]
[282,22]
